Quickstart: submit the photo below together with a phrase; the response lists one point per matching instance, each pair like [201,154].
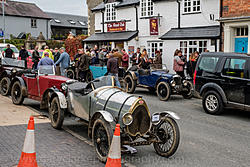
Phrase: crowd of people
[113,59]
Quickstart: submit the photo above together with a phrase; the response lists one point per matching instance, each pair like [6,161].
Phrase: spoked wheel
[70,74]
[5,86]
[130,84]
[17,94]
[163,91]
[189,93]
[212,103]
[102,137]
[168,133]
[56,114]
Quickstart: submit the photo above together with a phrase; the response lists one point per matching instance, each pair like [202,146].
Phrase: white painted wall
[16,25]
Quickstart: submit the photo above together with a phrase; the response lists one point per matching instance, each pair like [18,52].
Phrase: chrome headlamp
[127,119]
[14,70]
[173,84]
[185,83]
[64,86]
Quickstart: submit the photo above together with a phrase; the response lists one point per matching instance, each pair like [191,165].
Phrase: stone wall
[91,16]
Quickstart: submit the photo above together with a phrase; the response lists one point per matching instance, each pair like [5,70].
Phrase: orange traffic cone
[114,157]
[28,156]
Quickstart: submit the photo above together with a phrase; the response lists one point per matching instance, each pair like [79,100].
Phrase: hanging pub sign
[118,26]
[154,29]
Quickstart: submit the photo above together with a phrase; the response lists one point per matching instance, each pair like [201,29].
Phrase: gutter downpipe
[102,21]
[136,15]
[221,25]
[179,13]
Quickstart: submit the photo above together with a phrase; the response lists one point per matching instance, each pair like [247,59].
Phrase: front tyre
[163,91]
[56,113]
[169,135]
[130,84]
[17,93]
[5,86]
[212,103]
[189,93]
[102,136]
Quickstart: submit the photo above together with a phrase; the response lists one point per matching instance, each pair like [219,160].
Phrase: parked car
[159,80]
[102,107]
[9,69]
[222,79]
[13,47]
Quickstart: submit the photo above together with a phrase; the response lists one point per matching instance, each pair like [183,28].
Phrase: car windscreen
[102,81]
[46,70]
[208,64]
[12,62]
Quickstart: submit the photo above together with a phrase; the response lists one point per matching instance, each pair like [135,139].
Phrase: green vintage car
[102,105]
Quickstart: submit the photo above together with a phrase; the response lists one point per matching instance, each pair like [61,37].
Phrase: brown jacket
[112,65]
[178,64]
[84,62]
[119,58]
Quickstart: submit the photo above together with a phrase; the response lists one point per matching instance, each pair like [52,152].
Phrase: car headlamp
[64,86]
[173,84]
[14,70]
[127,119]
[185,83]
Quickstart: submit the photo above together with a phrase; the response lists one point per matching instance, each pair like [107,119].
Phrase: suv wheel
[212,103]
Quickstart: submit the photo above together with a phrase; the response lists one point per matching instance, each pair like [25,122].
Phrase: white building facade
[165,25]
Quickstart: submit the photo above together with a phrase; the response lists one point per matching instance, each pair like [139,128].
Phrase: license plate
[155,118]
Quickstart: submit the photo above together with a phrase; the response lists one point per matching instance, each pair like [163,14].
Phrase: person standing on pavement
[8,52]
[23,55]
[112,67]
[46,61]
[35,58]
[77,61]
[83,66]
[118,55]
[46,49]
[179,63]
[125,59]
[102,56]
[56,57]
[95,55]
[158,60]
[136,57]
[64,61]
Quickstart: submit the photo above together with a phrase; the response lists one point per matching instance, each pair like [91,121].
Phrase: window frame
[33,23]
[186,45]
[191,6]
[158,45]
[146,8]
[110,12]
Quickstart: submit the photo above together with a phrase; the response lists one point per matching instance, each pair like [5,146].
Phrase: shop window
[33,23]
[241,32]
[191,6]
[110,12]
[147,8]
[188,47]
[153,47]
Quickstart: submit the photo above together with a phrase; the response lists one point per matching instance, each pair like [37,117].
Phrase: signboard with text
[154,29]
[119,26]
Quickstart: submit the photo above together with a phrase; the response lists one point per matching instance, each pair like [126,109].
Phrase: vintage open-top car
[101,105]
[9,68]
[157,78]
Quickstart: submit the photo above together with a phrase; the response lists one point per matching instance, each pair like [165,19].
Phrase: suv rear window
[208,64]
[234,68]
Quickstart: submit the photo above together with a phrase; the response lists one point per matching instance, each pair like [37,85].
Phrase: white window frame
[33,23]
[146,8]
[191,6]
[154,46]
[241,32]
[189,46]
[110,12]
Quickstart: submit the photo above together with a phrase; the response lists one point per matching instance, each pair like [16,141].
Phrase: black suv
[223,80]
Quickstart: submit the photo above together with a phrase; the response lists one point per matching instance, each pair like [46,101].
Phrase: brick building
[235,19]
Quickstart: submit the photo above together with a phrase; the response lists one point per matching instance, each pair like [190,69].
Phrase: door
[235,79]
[247,90]
[32,86]
[241,45]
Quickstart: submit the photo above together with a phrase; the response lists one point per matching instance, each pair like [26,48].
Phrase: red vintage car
[42,85]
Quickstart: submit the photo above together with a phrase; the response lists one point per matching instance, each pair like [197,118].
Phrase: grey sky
[77,7]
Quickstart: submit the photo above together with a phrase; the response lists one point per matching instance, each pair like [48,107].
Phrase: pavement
[206,140]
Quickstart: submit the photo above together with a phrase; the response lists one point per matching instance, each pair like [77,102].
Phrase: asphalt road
[206,140]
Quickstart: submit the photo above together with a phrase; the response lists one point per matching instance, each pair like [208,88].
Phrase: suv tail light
[195,72]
